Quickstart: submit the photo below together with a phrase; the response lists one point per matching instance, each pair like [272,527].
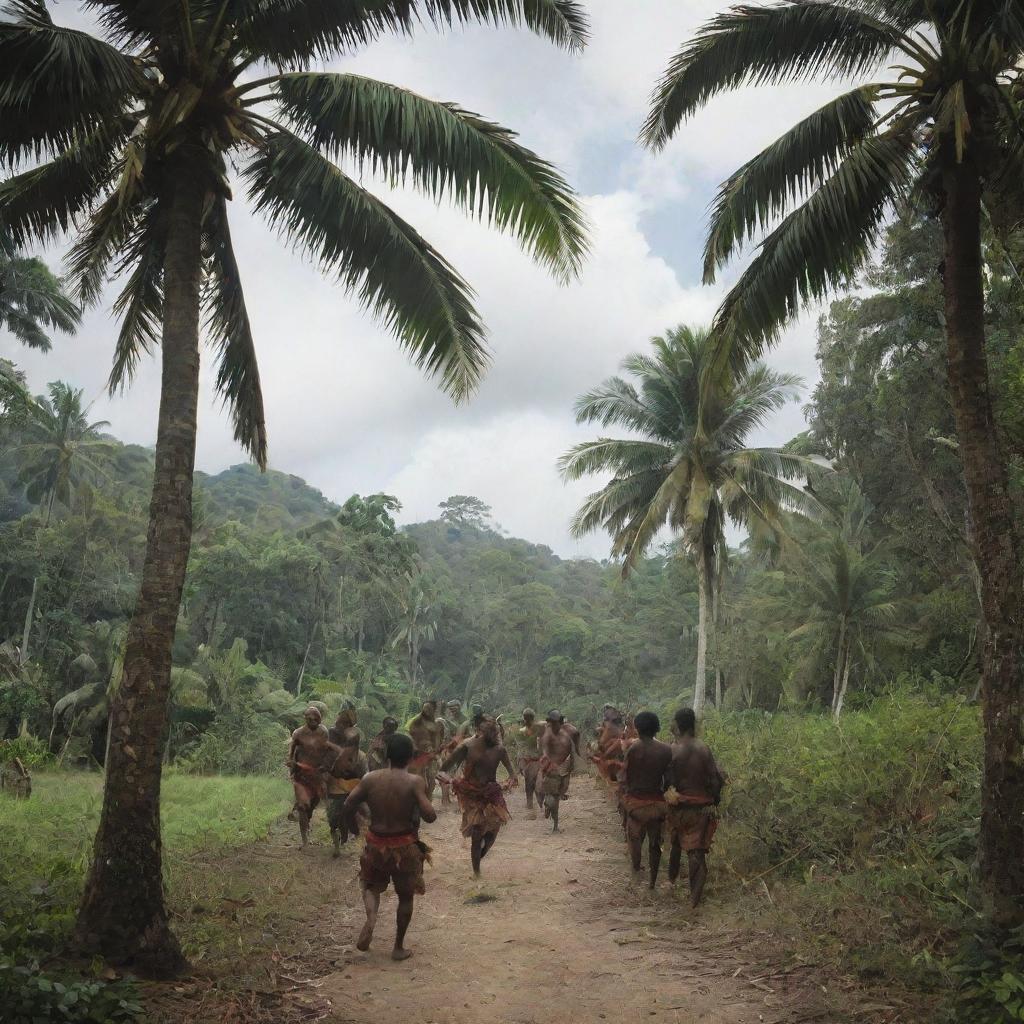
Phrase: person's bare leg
[698,875]
[555,801]
[371,901]
[402,919]
[487,843]
[474,853]
[530,785]
[675,856]
[336,839]
[654,849]
[304,816]
[635,844]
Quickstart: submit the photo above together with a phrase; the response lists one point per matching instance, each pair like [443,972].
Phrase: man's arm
[427,812]
[458,755]
[513,775]
[716,780]
[291,751]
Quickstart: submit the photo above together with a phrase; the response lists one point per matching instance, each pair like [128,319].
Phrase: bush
[30,751]
[28,997]
[239,743]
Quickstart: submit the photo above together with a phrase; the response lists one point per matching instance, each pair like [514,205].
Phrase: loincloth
[396,860]
[692,821]
[641,809]
[555,777]
[529,767]
[484,810]
[336,818]
[308,784]
[340,787]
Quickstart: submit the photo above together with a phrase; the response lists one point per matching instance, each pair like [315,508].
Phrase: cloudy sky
[346,410]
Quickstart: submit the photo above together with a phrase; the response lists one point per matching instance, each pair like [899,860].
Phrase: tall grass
[46,841]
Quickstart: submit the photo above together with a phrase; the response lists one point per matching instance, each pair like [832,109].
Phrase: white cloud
[345,408]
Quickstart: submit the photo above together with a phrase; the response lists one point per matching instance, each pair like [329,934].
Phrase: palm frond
[140,305]
[615,402]
[395,273]
[43,201]
[55,83]
[447,152]
[619,456]
[766,45]
[785,172]
[819,246]
[227,323]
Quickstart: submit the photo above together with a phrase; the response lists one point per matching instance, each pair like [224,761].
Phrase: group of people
[389,790]
[660,786]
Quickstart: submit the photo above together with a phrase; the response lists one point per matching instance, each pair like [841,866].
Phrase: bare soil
[556,930]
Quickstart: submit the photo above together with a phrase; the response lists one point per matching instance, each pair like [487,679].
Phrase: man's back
[693,770]
[395,798]
[647,761]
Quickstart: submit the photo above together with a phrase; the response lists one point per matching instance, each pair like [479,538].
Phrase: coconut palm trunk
[123,915]
[996,545]
[703,608]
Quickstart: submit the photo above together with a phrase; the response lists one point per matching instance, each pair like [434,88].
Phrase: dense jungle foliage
[290,597]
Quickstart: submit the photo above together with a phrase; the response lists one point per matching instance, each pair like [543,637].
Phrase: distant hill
[266,501]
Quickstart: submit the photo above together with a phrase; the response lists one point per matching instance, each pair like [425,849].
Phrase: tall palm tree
[32,299]
[841,587]
[688,466]
[56,451]
[941,126]
[141,134]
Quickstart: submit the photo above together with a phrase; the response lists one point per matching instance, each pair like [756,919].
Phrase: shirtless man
[609,746]
[528,747]
[696,789]
[393,853]
[427,738]
[643,797]
[310,746]
[484,810]
[376,757]
[450,722]
[343,775]
[556,760]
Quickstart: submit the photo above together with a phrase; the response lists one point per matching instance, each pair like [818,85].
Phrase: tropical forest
[689,520]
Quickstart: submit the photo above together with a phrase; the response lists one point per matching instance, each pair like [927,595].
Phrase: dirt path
[555,931]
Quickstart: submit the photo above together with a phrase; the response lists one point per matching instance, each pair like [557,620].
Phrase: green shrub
[239,743]
[29,997]
[990,973]
[30,751]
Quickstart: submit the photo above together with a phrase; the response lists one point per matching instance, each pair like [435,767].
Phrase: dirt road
[555,931]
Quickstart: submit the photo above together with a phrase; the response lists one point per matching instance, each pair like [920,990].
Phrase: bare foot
[365,937]
[400,953]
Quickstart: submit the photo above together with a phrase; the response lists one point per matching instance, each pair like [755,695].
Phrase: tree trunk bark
[837,675]
[122,914]
[26,634]
[700,683]
[840,698]
[996,547]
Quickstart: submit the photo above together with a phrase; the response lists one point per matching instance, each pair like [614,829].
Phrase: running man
[643,792]
[348,768]
[428,738]
[480,795]
[528,749]
[696,790]
[376,756]
[310,745]
[556,761]
[397,800]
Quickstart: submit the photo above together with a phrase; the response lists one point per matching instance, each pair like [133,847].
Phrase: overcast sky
[347,411]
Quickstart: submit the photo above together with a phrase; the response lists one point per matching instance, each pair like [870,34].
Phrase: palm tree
[417,622]
[940,127]
[139,134]
[32,299]
[55,453]
[689,467]
[841,587]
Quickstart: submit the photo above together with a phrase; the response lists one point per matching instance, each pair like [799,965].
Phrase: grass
[46,841]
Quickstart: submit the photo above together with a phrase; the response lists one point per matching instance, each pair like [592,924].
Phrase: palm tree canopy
[687,464]
[110,119]
[948,81]
[32,298]
[58,445]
